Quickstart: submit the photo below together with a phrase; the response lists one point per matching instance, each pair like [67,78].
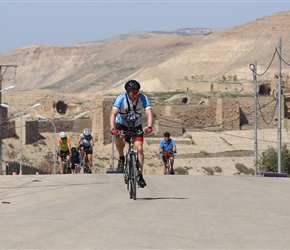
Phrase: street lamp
[21,116]
[54,155]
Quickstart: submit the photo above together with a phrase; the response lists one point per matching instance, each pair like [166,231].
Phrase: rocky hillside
[157,60]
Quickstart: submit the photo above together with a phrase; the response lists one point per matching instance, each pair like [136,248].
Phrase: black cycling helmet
[132,85]
[73,150]
[166,134]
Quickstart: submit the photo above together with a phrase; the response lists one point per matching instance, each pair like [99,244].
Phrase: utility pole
[255,117]
[1,81]
[279,106]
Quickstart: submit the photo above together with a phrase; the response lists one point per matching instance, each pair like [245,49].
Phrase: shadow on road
[162,198]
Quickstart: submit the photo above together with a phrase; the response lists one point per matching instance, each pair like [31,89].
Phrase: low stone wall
[225,114]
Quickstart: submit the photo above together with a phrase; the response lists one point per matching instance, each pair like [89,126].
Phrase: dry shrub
[208,170]
[180,171]
[243,169]
[217,169]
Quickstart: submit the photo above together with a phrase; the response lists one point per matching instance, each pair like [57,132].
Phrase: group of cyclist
[75,155]
[126,114]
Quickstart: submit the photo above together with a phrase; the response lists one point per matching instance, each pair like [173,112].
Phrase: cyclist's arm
[173,146]
[92,142]
[149,114]
[58,145]
[113,115]
[79,142]
[160,147]
[69,146]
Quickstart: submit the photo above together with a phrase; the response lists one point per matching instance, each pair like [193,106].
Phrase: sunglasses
[133,93]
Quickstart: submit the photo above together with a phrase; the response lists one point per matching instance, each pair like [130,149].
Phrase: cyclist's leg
[90,159]
[72,169]
[68,159]
[78,168]
[164,164]
[60,161]
[89,152]
[164,167]
[119,142]
[74,164]
[82,152]
[138,145]
[171,162]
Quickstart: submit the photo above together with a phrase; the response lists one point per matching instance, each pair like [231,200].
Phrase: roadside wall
[223,113]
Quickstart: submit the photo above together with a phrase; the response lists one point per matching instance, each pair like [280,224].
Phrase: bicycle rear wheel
[86,165]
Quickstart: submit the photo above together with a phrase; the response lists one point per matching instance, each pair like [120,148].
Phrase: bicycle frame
[131,170]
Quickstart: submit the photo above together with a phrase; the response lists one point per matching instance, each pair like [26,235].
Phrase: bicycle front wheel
[167,167]
[134,177]
[63,167]
[127,172]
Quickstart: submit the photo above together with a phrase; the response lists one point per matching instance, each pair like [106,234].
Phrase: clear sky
[65,23]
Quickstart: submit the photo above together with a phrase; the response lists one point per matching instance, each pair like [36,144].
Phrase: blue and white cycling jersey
[129,109]
[86,142]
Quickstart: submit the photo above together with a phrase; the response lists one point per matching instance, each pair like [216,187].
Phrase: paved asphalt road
[172,212]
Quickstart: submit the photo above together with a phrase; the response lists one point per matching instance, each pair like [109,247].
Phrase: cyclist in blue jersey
[127,113]
[85,144]
[168,145]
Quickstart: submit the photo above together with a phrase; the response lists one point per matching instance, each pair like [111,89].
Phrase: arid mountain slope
[229,52]
[158,60]
[89,68]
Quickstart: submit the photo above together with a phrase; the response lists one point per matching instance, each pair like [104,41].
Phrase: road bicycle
[167,155]
[131,170]
[65,168]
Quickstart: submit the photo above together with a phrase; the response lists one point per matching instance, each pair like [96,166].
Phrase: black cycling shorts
[123,127]
[62,153]
[88,150]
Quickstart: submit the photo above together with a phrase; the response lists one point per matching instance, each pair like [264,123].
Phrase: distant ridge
[159,59]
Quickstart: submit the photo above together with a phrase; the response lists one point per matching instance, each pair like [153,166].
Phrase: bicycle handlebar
[131,133]
[167,153]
